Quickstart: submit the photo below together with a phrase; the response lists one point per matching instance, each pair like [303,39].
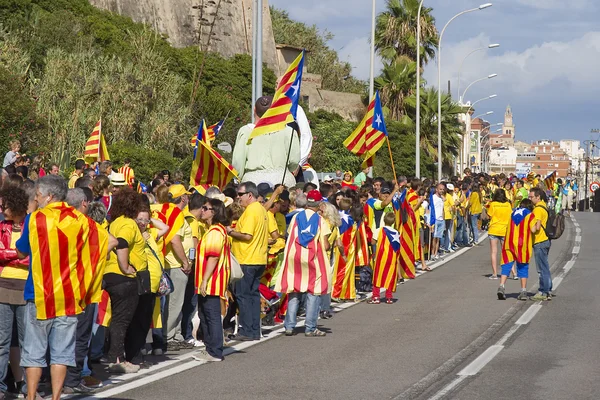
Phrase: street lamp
[480,137]
[490,76]
[490,46]
[439,57]
[485,98]
[464,151]
[481,115]
[418,116]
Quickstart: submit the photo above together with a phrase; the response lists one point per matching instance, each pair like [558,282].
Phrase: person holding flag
[305,266]
[387,256]
[518,247]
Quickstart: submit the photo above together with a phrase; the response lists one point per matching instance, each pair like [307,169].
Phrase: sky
[548,62]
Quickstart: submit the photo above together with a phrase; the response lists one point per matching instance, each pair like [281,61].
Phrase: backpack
[556,224]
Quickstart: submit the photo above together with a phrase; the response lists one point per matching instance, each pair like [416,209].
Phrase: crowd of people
[95,269]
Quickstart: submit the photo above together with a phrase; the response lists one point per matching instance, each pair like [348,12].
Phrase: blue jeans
[85,322]
[447,233]
[190,303]
[474,219]
[540,252]
[248,298]
[8,312]
[312,311]
[209,312]
[325,302]
[461,231]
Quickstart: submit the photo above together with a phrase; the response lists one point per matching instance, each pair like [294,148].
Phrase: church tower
[508,128]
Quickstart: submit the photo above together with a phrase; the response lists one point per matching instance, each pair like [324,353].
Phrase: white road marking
[569,265]
[576,249]
[448,388]
[508,334]
[577,230]
[556,281]
[529,314]
[578,239]
[484,358]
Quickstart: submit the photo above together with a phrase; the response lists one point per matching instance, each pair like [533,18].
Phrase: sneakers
[198,343]
[523,295]
[315,333]
[186,345]
[91,382]
[204,356]
[81,388]
[501,293]
[289,332]
[326,314]
[123,368]
[157,352]
[493,276]
[173,346]
[539,297]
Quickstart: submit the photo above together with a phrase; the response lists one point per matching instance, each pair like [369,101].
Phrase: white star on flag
[295,88]
[520,211]
[395,236]
[345,217]
[377,119]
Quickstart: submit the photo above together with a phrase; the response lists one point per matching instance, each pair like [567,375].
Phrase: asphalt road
[411,349]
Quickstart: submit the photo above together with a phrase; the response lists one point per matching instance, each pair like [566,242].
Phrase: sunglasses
[240,194]
[204,208]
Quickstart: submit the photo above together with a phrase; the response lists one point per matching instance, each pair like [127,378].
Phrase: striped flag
[104,310]
[518,243]
[202,134]
[68,254]
[305,267]
[95,147]
[413,197]
[214,130]
[171,215]
[128,174]
[141,188]
[363,244]
[387,253]
[215,242]
[343,271]
[549,180]
[370,134]
[406,222]
[285,101]
[209,168]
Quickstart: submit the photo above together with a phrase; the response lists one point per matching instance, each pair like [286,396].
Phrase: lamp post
[490,76]
[468,125]
[490,46]
[418,116]
[372,66]
[480,137]
[482,115]
[439,57]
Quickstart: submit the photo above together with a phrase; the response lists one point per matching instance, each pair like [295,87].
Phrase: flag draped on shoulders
[518,243]
[95,147]
[208,166]
[387,254]
[343,270]
[171,215]
[406,221]
[305,262]
[68,255]
[363,244]
[285,102]
[370,134]
[432,216]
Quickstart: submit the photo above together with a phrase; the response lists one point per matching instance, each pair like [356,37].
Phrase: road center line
[484,358]
[450,387]
[529,314]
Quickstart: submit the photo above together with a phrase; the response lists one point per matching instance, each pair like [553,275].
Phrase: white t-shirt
[438,205]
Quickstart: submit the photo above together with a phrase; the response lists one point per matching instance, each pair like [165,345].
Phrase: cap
[117,179]
[226,200]
[264,189]
[314,197]
[177,190]
[199,188]
[327,178]
[385,190]
[450,186]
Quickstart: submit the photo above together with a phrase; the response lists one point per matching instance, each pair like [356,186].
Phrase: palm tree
[451,126]
[396,81]
[396,31]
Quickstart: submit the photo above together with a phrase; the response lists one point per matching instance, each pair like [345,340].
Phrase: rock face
[221,26]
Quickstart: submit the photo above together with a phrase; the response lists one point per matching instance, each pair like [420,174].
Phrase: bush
[145,162]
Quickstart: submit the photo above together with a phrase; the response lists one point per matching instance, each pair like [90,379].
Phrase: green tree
[396,82]
[396,31]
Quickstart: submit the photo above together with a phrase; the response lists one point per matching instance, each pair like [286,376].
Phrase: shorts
[522,269]
[494,237]
[56,335]
[440,227]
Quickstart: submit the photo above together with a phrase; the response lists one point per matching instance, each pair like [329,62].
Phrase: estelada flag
[95,147]
[202,134]
[171,215]
[549,180]
[363,244]
[214,130]
[305,267]
[343,282]
[68,254]
[387,254]
[518,243]
[369,135]
[285,102]
[406,221]
[208,167]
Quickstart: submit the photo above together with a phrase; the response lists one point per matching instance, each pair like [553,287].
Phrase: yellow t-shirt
[14,271]
[72,179]
[281,224]
[252,222]
[187,240]
[193,222]
[540,215]
[448,203]
[499,214]
[156,260]
[475,202]
[126,228]
[272,223]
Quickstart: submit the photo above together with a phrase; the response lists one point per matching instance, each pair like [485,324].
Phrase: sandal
[374,300]
[426,269]
[315,333]
[389,301]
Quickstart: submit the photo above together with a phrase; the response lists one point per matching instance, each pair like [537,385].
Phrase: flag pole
[387,139]
[287,160]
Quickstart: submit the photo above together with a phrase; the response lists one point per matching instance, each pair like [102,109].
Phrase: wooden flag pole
[387,139]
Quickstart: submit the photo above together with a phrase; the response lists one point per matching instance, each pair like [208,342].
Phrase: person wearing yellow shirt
[78,173]
[250,247]
[462,237]
[498,213]
[541,244]
[448,219]
[475,209]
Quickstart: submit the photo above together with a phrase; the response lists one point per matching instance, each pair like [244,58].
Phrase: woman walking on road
[498,212]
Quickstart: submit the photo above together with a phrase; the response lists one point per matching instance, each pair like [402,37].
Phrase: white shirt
[438,205]
[306,137]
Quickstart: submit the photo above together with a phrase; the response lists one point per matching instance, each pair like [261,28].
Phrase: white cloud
[357,53]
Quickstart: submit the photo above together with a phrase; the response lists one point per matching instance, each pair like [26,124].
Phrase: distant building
[549,157]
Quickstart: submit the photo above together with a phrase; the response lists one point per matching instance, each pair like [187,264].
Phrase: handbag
[165,284]
[143,282]
[236,269]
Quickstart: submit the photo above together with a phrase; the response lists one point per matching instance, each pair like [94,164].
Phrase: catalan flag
[95,147]
[285,101]
[214,243]
[209,168]
[104,310]
[413,198]
[171,215]
[549,180]
[370,134]
[406,222]
[363,244]
[387,253]
[305,267]
[343,271]
[214,130]
[518,243]
[128,174]
[203,134]
[68,253]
